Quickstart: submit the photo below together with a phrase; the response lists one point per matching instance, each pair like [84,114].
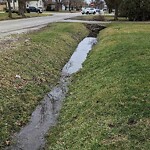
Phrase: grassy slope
[108,103]
[98,18]
[38,62]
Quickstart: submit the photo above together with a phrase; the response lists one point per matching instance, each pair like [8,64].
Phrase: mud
[94,29]
[31,137]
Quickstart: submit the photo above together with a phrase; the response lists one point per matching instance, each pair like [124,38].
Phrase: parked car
[98,10]
[89,11]
[34,9]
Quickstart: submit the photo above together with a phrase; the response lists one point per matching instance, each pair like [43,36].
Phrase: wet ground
[79,56]
[31,137]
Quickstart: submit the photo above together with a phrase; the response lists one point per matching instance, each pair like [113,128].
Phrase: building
[35,3]
[51,5]
[2,5]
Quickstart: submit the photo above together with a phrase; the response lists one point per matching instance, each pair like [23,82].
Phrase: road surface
[8,27]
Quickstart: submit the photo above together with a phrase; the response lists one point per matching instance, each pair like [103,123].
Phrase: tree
[109,5]
[58,5]
[137,10]
[22,7]
[45,3]
[114,4]
[117,5]
[77,4]
[9,9]
[71,4]
[99,4]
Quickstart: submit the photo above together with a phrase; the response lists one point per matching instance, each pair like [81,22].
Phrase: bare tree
[58,5]
[9,9]
[114,4]
[45,2]
[22,7]
[78,4]
[73,4]
[99,4]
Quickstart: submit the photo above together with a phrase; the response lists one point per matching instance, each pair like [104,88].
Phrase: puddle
[31,137]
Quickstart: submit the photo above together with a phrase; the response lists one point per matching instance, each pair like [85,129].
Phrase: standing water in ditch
[31,137]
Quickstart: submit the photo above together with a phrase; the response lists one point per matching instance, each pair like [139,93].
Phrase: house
[2,4]
[35,3]
[51,5]
[64,5]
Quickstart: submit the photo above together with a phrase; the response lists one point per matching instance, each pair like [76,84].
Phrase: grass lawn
[98,18]
[29,68]
[4,16]
[108,103]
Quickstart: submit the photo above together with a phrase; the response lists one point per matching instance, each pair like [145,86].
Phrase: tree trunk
[110,10]
[58,5]
[69,6]
[116,12]
[22,8]
[14,4]
[9,9]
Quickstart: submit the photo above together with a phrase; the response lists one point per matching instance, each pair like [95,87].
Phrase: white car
[89,11]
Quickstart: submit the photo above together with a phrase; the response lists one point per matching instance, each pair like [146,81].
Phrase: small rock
[7,143]
[27,40]
[18,76]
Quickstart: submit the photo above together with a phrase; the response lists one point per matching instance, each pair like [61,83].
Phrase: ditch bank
[94,29]
[31,137]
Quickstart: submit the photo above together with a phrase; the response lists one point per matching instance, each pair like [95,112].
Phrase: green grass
[111,18]
[4,16]
[98,18]
[108,104]
[89,18]
[38,60]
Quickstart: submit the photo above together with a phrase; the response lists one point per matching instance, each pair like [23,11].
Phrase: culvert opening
[94,29]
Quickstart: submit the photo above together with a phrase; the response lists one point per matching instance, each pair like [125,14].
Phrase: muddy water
[31,137]
[76,60]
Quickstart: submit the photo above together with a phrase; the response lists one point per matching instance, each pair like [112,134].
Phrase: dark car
[34,9]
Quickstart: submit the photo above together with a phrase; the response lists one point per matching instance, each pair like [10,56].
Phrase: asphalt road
[8,27]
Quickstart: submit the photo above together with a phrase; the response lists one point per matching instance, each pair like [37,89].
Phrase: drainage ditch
[31,137]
